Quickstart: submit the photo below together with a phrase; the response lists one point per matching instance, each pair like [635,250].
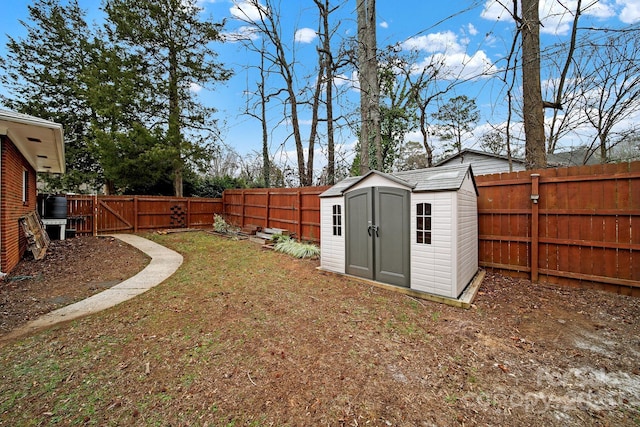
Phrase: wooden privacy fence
[584,229]
[121,214]
[575,226]
[293,209]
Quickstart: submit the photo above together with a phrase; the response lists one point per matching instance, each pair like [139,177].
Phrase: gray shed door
[377,234]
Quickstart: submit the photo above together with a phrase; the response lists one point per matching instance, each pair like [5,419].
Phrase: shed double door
[377,234]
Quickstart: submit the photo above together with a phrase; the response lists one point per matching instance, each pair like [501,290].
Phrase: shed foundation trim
[464,301]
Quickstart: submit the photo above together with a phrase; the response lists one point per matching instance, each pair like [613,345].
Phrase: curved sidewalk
[164,262]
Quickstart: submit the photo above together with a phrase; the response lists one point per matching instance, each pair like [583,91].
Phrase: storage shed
[415,229]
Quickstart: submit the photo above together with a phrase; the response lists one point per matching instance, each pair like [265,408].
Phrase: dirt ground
[72,270]
[243,336]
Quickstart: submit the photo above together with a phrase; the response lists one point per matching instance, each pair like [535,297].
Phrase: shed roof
[444,178]
[40,141]
[338,188]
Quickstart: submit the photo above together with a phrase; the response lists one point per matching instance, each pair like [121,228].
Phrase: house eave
[40,141]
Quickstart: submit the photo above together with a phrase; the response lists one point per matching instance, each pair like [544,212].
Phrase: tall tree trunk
[535,153]
[328,69]
[374,97]
[369,85]
[508,130]
[425,134]
[362,77]
[331,148]
[173,132]
[313,133]
[266,161]
[603,148]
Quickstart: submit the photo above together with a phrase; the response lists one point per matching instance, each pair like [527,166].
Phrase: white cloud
[202,3]
[305,35]
[354,81]
[494,11]
[556,17]
[448,54]
[384,24]
[460,65]
[195,87]
[247,11]
[445,41]
[600,9]
[630,13]
[242,33]
[341,79]
[472,29]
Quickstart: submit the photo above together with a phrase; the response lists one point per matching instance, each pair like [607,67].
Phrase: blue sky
[471,37]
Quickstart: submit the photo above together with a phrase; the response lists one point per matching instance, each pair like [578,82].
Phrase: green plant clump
[277,238]
[297,249]
[219,224]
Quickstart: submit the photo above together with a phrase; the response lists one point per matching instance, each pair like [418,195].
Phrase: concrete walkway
[164,262]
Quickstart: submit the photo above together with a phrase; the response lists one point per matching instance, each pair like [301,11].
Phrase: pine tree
[175,46]
[42,73]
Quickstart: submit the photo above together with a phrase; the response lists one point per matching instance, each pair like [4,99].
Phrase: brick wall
[12,241]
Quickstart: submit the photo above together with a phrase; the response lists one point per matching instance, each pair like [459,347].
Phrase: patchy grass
[242,336]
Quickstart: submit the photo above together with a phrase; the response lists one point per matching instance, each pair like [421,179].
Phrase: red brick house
[29,145]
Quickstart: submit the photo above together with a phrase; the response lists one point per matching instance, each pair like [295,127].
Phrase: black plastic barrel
[55,207]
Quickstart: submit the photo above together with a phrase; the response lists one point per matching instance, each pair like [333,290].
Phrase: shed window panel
[337,220]
[423,223]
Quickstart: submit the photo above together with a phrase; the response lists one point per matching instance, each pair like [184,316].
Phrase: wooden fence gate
[130,214]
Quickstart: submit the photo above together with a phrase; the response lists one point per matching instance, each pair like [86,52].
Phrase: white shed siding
[467,236]
[332,248]
[432,265]
[483,164]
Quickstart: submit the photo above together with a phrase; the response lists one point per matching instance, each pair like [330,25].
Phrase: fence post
[535,199]
[299,215]
[135,214]
[224,209]
[188,212]
[243,212]
[266,219]
[95,214]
